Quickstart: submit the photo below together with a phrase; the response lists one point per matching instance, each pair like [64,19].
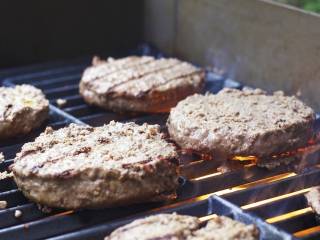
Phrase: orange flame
[307,232]
[254,159]
[245,158]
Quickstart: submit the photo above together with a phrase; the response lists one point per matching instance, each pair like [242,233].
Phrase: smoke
[221,62]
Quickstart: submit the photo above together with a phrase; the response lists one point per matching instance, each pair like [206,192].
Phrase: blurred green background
[309,5]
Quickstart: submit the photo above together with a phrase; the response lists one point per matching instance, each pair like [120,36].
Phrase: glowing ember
[307,232]
[245,158]
[234,189]
[255,159]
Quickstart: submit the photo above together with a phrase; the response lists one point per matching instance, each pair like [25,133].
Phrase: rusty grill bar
[248,193]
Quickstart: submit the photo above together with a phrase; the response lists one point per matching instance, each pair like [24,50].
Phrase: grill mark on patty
[78,147]
[29,151]
[66,174]
[130,165]
[104,69]
[35,168]
[151,81]
[109,82]
[82,150]
[7,110]
[142,93]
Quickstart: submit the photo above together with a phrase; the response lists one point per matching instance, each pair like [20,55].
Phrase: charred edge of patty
[23,123]
[87,190]
[300,132]
[151,101]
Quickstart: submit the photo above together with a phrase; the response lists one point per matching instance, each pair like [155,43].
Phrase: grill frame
[90,224]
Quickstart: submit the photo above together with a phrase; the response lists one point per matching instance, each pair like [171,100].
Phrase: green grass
[309,5]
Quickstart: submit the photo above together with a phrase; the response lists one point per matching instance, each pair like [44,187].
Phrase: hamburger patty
[313,199]
[22,109]
[85,167]
[241,123]
[140,84]
[176,227]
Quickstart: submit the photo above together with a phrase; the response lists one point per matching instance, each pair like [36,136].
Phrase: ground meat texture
[22,109]
[241,123]
[313,199]
[182,227]
[85,167]
[140,84]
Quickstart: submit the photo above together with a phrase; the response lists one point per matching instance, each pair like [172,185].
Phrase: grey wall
[35,31]
[160,23]
[256,42]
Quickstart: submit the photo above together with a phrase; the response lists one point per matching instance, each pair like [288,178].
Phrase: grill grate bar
[5,164]
[53,95]
[297,223]
[66,115]
[269,190]
[200,209]
[311,233]
[66,222]
[73,100]
[53,83]
[61,90]
[13,197]
[235,182]
[101,118]
[62,82]
[37,76]
[82,110]
[30,212]
[7,184]
[195,209]
[279,207]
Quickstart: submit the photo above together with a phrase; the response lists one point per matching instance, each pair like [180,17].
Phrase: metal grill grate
[270,195]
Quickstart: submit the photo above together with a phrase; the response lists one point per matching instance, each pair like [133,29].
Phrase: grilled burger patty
[241,123]
[22,109]
[173,226]
[85,167]
[140,84]
[313,199]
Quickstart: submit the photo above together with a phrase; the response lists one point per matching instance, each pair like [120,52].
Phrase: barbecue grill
[271,199]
